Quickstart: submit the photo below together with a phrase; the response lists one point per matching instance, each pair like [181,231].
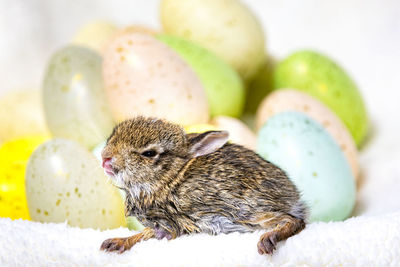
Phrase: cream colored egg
[95,34]
[239,133]
[74,99]
[65,182]
[145,77]
[21,114]
[200,128]
[293,100]
[226,27]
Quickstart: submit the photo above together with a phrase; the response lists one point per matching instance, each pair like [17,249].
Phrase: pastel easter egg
[21,114]
[200,128]
[224,87]
[313,161]
[294,100]
[65,182]
[95,34]
[226,27]
[14,156]
[239,133]
[75,104]
[143,76]
[319,76]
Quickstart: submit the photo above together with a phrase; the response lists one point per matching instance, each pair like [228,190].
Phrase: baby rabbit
[177,183]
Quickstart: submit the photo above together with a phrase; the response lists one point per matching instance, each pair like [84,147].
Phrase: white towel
[359,241]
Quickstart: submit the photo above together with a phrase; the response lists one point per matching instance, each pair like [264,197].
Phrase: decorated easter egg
[65,182]
[313,161]
[260,86]
[74,101]
[144,76]
[294,100]
[200,128]
[95,34]
[322,78]
[239,133]
[226,27]
[21,114]
[14,156]
[224,87]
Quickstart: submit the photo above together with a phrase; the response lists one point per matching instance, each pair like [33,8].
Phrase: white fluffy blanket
[360,241]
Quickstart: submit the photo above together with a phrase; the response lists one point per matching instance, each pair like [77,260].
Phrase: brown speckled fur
[175,193]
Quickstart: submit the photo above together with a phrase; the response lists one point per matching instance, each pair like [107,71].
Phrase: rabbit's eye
[149,153]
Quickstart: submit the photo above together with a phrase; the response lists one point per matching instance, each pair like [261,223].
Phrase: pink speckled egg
[293,100]
[145,77]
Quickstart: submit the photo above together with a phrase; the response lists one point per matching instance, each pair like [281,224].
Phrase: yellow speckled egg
[144,76]
[65,182]
[200,128]
[14,156]
[21,114]
[239,133]
[95,34]
[293,100]
[226,27]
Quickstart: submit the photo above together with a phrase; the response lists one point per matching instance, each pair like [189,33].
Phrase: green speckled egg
[65,182]
[313,161]
[224,87]
[322,78]
[75,104]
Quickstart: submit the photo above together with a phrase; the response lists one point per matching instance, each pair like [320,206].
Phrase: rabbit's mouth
[108,167]
[113,173]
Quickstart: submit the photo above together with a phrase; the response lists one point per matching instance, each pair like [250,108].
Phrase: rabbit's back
[223,190]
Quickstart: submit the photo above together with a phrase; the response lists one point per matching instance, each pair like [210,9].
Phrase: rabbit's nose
[107,165]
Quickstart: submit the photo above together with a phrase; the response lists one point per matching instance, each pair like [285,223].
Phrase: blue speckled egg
[314,162]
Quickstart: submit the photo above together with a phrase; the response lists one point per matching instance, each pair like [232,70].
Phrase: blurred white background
[361,35]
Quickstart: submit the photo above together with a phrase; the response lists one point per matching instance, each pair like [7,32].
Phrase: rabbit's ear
[208,142]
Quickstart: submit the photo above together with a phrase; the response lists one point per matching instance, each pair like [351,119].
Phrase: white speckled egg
[239,133]
[313,161]
[64,182]
[294,100]
[74,98]
[144,76]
